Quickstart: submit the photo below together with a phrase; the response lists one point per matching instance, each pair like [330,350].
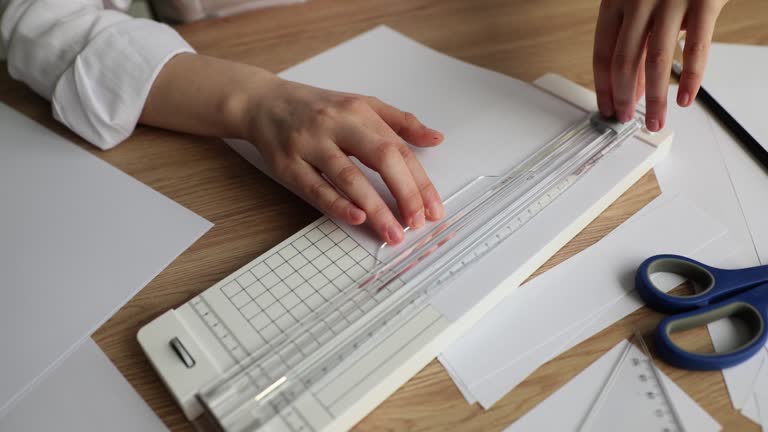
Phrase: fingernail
[436,135]
[357,215]
[624,117]
[683,98]
[418,221]
[394,234]
[434,210]
[606,107]
[653,125]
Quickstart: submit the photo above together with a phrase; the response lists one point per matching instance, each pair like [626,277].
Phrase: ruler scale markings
[291,417]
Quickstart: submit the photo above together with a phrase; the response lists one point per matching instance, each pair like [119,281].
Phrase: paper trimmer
[278,374]
[316,332]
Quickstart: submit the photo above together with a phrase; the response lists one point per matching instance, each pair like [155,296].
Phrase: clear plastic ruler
[394,286]
[633,397]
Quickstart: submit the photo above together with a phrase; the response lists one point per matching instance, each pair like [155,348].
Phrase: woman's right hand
[635,42]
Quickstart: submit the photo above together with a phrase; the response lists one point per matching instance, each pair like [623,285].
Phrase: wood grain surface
[521,38]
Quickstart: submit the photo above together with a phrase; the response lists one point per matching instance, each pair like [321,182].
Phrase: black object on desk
[747,140]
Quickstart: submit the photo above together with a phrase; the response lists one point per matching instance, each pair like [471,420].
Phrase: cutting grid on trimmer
[284,287]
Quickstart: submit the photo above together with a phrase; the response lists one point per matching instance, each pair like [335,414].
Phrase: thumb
[406,124]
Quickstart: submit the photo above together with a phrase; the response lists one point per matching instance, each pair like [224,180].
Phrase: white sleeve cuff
[102,94]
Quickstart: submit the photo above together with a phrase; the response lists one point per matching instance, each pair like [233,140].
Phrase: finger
[346,176]
[406,124]
[606,32]
[386,155]
[307,182]
[661,51]
[626,59]
[700,22]
[433,205]
[640,83]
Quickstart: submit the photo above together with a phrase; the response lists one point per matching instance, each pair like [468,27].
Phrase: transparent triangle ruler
[634,397]
[400,280]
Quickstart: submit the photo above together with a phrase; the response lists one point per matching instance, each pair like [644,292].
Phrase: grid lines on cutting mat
[285,286]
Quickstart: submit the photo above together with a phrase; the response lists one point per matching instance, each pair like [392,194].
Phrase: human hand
[634,47]
[307,136]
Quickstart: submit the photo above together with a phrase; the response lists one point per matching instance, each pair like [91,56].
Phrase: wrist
[244,98]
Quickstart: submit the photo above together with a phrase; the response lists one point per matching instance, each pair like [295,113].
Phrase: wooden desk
[522,38]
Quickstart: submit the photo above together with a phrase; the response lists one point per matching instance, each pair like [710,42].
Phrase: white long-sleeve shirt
[95,64]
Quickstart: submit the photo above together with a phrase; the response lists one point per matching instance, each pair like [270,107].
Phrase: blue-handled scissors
[739,293]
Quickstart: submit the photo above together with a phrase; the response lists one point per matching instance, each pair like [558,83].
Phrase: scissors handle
[715,284]
[750,306]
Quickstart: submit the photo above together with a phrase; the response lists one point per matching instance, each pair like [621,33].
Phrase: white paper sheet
[491,363]
[750,181]
[83,393]
[736,78]
[750,410]
[78,238]
[566,408]
[755,408]
[695,169]
[739,379]
[752,403]
[760,397]
[517,372]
